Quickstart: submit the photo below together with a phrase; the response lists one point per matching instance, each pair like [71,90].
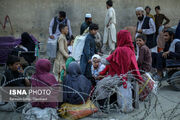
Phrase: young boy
[88,51]
[144,61]
[96,67]
[14,71]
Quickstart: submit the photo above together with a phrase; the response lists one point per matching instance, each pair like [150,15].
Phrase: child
[144,61]
[96,67]
[14,71]
[70,47]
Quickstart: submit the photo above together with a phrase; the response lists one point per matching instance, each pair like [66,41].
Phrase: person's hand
[20,69]
[99,77]
[107,25]
[89,61]
[165,54]
[140,31]
[52,37]
[64,68]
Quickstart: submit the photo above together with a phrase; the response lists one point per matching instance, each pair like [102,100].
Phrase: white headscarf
[140,9]
[96,56]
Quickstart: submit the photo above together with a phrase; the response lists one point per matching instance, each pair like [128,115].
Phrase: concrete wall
[34,16]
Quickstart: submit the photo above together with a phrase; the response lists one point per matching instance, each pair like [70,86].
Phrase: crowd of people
[125,55]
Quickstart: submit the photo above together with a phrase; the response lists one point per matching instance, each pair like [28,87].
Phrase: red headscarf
[123,58]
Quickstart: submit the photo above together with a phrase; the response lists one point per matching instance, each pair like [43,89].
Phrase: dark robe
[75,81]
[84,26]
[88,51]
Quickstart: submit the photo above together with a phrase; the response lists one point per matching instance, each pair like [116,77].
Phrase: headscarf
[27,41]
[123,58]
[96,56]
[68,61]
[45,79]
[75,80]
[124,39]
[43,74]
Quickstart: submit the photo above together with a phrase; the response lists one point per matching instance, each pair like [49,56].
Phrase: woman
[75,80]
[62,53]
[27,44]
[43,78]
[123,58]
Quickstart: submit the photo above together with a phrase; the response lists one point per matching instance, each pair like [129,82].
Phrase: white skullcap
[96,56]
[139,9]
[88,15]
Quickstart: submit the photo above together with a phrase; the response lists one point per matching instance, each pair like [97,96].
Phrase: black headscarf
[27,41]
[75,80]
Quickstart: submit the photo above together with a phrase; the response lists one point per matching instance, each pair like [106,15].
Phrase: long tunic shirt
[110,31]
[62,55]
[88,51]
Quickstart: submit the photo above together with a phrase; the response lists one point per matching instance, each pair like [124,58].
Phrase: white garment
[70,48]
[172,46]
[95,72]
[151,30]
[110,31]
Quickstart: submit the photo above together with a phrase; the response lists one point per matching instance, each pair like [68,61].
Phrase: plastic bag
[146,88]
[78,47]
[52,47]
[74,112]
[124,98]
[35,113]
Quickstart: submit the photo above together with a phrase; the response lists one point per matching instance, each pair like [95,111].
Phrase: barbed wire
[151,105]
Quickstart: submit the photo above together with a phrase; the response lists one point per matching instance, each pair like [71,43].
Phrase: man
[171,54]
[88,51]
[54,26]
[85,25]
[147,27]
[110,29]
[159,19]
[148,10]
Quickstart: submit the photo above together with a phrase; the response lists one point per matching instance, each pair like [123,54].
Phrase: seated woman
[121,61]
[27,44]
[76,81]
[123,58]
[43,78]
[144,59]
[97,66]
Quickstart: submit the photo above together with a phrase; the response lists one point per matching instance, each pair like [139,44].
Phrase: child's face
[93,32]
[15,66]
[95,63]
[140,42]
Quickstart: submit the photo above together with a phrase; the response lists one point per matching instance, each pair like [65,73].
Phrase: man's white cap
[139,9]
[88,15]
